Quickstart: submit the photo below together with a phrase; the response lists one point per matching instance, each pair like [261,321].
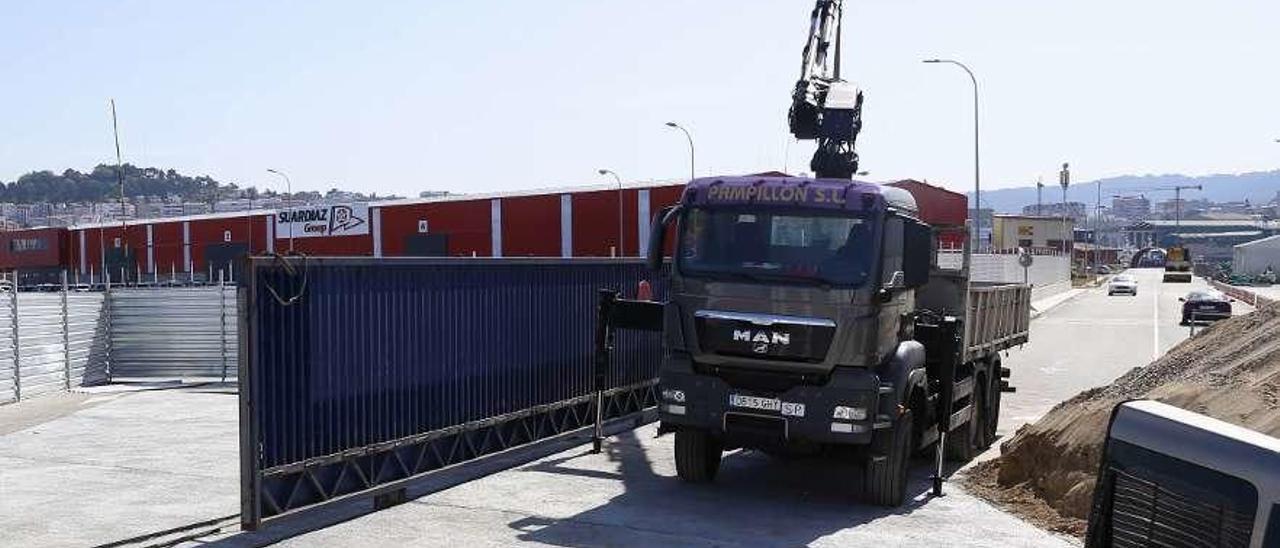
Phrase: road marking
[1155,323]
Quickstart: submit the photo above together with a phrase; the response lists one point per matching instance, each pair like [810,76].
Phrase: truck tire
[884,482]
[962,443]
[697,455]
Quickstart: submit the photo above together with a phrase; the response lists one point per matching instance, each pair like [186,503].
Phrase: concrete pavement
[1091,340]
[113,465]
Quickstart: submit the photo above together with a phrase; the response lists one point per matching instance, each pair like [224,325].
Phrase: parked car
[1123,283]
[1205,305]
[1104,269]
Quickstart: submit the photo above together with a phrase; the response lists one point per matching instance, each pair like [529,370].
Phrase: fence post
[108,313]
[66,337]
[222,312]
[17,355]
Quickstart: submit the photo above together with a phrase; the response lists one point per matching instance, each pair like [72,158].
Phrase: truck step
[960,417]
[1004,386]
[1005,372]
[963,389]
[882,421]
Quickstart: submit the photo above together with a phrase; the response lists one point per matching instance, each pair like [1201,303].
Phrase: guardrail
[358,375]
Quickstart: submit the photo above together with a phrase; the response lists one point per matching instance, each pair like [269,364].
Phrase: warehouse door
[223,257]
[426,245]
[120,264]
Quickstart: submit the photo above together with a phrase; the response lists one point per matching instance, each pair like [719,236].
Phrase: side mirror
[1183,299]
[917,254]
[658,236]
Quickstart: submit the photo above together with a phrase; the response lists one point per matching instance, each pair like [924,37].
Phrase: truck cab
[795,322]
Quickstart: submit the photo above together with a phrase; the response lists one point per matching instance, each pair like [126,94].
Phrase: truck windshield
[799,246]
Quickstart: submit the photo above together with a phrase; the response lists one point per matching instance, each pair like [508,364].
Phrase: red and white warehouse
[569,222]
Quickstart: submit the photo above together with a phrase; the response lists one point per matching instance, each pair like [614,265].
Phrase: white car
[1123,283]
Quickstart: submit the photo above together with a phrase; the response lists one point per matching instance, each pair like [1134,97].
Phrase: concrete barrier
[1242,294]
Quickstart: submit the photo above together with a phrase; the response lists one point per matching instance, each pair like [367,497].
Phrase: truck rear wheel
[992,401]
[884,480]
[697,455]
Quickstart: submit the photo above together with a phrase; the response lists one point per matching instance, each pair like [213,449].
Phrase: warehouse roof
[1147,225]
[154,220]
[1270,241]
[385,203]
[1211,235]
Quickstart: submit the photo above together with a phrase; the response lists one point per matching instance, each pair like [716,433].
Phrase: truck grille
[777,340]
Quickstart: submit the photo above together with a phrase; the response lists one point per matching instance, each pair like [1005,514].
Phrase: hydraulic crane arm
[824,107]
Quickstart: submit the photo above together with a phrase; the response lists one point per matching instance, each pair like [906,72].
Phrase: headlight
[849,413]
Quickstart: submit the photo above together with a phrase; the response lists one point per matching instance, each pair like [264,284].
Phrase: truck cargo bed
[998,316]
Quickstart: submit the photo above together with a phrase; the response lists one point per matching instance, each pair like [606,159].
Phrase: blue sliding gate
[360,374]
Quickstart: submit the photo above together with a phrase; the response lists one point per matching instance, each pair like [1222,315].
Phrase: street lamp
[692,164]
[287,196]
[621,253]
[977,199]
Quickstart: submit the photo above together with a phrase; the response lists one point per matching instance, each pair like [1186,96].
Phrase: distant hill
[100,185]
[1257,187]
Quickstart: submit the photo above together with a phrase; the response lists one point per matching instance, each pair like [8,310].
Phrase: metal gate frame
[269,493]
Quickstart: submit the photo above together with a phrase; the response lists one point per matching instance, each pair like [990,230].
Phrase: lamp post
[692,158]
[287,196]
[977,172]
[621,253]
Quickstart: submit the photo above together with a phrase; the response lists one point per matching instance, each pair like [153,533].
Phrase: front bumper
[755,418]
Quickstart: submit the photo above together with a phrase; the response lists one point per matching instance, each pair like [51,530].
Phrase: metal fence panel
[87,338]
[177,332]
[379,369]
[8,361]
[40,344]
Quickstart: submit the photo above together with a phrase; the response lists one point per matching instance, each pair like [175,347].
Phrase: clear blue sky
[504,94]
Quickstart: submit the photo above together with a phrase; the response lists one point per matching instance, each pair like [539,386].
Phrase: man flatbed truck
[818,313]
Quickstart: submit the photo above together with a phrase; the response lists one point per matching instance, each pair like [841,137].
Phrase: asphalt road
[1091,340]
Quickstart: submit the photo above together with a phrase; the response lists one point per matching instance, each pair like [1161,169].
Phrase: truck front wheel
[884,476]
[697,455]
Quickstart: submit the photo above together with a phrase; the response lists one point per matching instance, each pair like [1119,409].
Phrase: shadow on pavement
[755,500]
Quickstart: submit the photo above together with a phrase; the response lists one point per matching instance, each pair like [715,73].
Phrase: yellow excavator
[1177,264]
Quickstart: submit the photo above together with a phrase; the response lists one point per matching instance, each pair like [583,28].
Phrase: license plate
[1208,307]
[790,409]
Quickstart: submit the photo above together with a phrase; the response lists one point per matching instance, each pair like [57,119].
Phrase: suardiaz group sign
[329,220]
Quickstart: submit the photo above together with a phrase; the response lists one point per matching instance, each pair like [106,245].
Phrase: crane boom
[824,107]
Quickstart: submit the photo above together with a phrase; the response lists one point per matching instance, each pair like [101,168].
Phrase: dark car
[1205,305]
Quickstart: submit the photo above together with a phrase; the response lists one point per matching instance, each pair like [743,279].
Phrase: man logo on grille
[760,348]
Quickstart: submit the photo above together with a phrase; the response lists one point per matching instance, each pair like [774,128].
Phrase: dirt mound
[1230,371]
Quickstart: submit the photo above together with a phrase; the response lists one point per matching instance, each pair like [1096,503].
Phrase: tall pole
[621,230]
[977,170]
[692,164]
[1039,201]
[1064,179]
[287,198]
[1097,230]
[124,227]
